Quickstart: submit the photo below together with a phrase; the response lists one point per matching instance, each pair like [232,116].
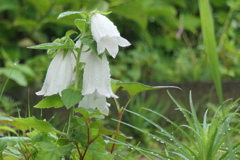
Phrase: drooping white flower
[95,101]
[96,76]
[60,74]
[106,34]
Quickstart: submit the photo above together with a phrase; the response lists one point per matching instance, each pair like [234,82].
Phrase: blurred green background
[167,43]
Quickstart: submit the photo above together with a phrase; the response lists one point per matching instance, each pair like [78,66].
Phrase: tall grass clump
[195,140]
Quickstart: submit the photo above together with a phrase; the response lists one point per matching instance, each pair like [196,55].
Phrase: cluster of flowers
[96,76]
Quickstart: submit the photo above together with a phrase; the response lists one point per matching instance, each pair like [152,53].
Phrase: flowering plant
[79,78]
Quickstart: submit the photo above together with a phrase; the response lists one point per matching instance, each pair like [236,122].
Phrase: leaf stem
[120,114]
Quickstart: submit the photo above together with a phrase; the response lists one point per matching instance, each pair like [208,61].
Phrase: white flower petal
[96,76]
[106,35]
[123,42]
[100,103]
[60,74]
[111,44]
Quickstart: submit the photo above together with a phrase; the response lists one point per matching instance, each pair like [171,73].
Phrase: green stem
[76,85]
[120,114]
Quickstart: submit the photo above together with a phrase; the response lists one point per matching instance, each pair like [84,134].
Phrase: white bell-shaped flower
[60,74]
[106,34]
[96,76]
[95,101]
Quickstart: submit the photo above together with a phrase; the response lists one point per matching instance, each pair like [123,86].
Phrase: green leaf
[8,129]
[51,46]
[16,124]
[50,101]
[99,152]
[40,125]
[69,33]
[53,152]
[87,40]
[80,23]
[134,88]
[114,85]
[64,14]
[3,144]
[14,75]
[70,97]
[83,112]
[46,137]
[11,141]
[210,44]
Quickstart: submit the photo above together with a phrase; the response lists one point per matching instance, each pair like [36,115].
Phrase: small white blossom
[95,101]
[96,76]
[106,34]
[60,74]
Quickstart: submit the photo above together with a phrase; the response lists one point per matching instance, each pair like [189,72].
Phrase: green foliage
[71,97]
[50,101]
[202,140]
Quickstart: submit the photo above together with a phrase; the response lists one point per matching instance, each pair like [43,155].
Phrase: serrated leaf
[40,125]
[53,152]
[134,88]
[99,152]
[51,46]
[64,14]
[50,101]
[80,23]
[70,97]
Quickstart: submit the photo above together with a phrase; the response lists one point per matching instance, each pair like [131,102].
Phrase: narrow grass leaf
[210,44]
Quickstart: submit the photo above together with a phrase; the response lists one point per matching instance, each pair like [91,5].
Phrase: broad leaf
[115,85]
[50,101]
[134,88]
[40,125]
[99,152]
[6,128]
[9,121]
[70,97]
[11,141]
[52,152]
[51,46]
